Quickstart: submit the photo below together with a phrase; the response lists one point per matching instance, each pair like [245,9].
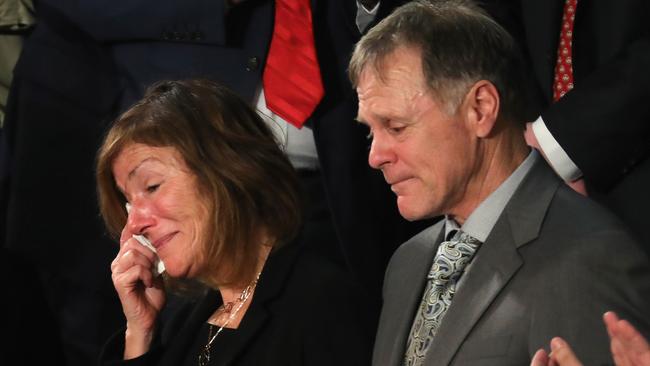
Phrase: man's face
[426,155]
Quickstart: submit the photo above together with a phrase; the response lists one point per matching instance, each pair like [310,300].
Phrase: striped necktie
[292,81]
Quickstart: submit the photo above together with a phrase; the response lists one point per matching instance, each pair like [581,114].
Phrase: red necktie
[563,81]
[292,81]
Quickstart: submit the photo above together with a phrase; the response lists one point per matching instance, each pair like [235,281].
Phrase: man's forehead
[400,68]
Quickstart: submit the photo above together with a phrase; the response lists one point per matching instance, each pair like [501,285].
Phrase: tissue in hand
[159,266]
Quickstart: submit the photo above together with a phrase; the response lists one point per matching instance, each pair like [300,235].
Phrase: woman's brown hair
[249,184]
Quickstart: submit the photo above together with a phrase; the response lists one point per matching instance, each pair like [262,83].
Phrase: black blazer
[305,311]
[63,95]
[603,123]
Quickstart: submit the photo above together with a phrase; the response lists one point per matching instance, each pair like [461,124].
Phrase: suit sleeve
[112,353]
[605,271]
[201,21]
[603,124]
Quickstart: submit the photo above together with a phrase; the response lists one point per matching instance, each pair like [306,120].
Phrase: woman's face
[165,205]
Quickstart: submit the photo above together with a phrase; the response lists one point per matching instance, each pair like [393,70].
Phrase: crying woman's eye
[152,188]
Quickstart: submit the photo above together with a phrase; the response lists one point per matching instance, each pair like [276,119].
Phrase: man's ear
[482,107]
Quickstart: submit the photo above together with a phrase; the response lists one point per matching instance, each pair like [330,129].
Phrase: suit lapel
[496,262]
[253,321]
[270,285]
[187,328]
[403,293]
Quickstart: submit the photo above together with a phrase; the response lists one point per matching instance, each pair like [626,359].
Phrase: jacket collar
[496,262]
[270,285]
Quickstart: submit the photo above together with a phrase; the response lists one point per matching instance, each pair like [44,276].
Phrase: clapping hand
[628,347]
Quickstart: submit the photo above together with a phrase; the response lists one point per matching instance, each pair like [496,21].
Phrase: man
[439,87]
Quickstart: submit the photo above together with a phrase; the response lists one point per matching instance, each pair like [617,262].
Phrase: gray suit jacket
[553,264]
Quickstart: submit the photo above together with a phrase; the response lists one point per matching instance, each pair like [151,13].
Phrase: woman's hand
[141,294]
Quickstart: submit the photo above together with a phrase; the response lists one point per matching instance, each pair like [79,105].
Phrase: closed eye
[396,130]
[394,126]
[152,188]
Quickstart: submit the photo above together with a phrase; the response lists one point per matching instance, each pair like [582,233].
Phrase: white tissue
[159,266]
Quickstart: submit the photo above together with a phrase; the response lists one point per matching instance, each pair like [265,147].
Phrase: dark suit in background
[603,124]
[62,96]
[88,60]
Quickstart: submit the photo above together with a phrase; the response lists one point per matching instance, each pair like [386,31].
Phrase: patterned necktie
[292,81]
[448,265]
[563,81]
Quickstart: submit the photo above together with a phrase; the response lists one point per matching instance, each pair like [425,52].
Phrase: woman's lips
[164,239]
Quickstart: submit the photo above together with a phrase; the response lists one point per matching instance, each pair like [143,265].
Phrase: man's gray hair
[459,43]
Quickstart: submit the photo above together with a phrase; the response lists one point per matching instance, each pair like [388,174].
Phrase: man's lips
[396,184]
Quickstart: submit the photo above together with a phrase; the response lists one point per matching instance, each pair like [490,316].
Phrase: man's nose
[380,153]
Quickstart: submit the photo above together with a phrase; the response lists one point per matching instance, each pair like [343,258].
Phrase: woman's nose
[140,218]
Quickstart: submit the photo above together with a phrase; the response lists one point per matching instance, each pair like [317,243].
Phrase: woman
[209,188]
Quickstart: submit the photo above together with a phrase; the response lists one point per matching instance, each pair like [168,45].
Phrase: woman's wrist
[137,342]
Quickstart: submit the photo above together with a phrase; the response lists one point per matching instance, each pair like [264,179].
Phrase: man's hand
[577,185]
[561,355]
[531,139]
[628,346]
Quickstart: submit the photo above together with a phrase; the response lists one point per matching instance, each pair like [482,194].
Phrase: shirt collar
[480,222]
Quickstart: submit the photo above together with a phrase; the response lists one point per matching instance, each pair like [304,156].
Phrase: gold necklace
[204,355]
